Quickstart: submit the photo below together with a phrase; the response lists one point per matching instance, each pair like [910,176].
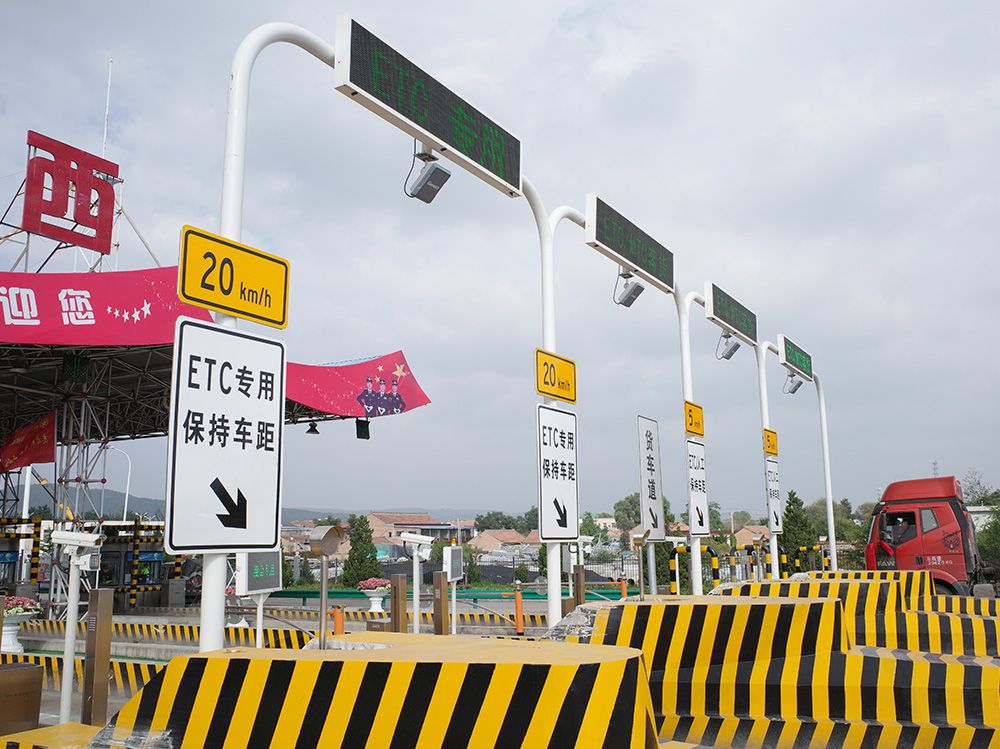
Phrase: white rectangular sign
[227,412]
[775,511]
[650,485]
[558,480]
[697,489]
[454,563]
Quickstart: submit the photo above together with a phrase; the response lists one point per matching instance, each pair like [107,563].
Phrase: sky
[830,165]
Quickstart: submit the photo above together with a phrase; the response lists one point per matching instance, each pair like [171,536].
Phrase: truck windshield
[901,527]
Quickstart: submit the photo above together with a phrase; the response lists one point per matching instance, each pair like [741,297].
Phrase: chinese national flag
[34,443]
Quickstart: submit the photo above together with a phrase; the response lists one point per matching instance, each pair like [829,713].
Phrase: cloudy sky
[833,166]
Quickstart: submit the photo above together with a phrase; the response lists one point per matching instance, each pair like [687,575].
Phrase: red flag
[35,443]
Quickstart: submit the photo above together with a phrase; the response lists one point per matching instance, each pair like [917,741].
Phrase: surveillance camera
[430,180]
[630,292]
[74,540]
[729,346]
[794,383]
[416,538]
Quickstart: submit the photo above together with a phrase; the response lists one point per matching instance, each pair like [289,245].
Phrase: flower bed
[14,605]
[375,583]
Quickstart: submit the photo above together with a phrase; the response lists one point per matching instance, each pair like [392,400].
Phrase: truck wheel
[942,588]
[984,590]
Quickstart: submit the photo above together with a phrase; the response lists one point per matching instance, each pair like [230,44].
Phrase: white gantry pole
[683,304]
[214,568]
[760,353]
[831,531]
[546,225]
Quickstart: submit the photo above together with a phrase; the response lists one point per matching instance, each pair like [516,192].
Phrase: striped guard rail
[918,586]
[125,677]
[965,605]
[708,660]
[421,690]
[174,633]
[356,615]
[875,615]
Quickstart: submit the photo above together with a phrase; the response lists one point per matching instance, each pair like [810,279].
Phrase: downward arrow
[561,510]
[701,517]
[656,520]
[236,512]
[777,520]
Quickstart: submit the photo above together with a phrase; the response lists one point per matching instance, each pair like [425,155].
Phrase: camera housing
[74,540]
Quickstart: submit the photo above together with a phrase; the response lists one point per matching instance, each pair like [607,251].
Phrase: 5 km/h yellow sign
[226,276]
[555,376]
[694,419]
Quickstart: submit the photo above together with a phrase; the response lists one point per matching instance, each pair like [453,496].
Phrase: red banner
[383,386]
[35,443]
[127,308]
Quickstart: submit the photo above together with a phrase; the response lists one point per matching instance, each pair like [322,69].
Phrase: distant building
[497,539]
[746,534]
[391,524]
[606,524]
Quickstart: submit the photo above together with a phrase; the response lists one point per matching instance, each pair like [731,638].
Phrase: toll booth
[12,532]
[132,561]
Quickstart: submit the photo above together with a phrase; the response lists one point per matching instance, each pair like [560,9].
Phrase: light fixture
[312,428]
[792,383]
[727,346]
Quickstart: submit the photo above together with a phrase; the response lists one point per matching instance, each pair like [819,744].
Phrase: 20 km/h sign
[558,479]
[224,444]
[650,486]
[226,276]
[555,376]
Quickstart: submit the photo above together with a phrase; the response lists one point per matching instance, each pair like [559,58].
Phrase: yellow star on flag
[399,373]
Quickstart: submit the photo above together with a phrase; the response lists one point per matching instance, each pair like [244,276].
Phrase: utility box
[397,603]
[172,593]
[20,697]
[441,613]
[97,661]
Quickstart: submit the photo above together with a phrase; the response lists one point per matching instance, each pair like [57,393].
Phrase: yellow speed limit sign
[226,276]
[770,442]
[555,376]
[694,419]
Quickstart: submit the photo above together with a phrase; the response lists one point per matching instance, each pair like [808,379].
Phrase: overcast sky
[831,165]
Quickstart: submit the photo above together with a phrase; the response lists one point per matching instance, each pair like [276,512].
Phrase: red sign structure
[69,174]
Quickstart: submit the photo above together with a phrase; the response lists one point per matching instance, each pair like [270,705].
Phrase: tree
[526,523]
[715,517]
[741,518]
[328,520]
[590,528]
[362,559]
[495,519]
[40,511]
[988,539]
[977,491]
[627,512]
[799,529]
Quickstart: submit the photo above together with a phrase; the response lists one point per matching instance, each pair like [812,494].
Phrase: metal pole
[760,354]
[260,618]
[642,590]
[213,588]
[69,649]
[416,588]
[831,533]
[651,568]
[26,542]
[324,579]
[128,478]
[454,607]
[546,225]
[683,305]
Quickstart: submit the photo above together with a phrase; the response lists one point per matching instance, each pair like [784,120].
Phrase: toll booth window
[110,575]
[928,521]
[902,527]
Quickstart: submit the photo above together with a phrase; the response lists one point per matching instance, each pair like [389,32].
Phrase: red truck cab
[922,524]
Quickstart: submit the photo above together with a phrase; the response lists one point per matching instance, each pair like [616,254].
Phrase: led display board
[726,312]
[258,572]
[613,235]
[794,358]
[380,78]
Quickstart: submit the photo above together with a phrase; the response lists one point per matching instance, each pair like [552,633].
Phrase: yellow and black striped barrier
[782,670]
[682,549]
[414,690]
[125,677]
[474,618]
[918,586]
[174,633]
[964,605]
[30,529]
[876,615]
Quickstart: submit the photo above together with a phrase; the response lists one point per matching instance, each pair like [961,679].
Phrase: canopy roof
[104,342]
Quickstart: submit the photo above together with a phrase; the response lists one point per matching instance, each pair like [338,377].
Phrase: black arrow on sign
[652,514]
[561,510]
[777,520]
[236,512]
[701,517]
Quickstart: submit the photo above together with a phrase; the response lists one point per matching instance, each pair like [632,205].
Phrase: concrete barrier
[173,633]
[918,586]
[407,690]
[125,677]
[876,614]
[783,668]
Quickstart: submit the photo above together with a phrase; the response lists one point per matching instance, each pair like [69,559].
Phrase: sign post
[225,438]
[558,484]
[454,565]
[650,492]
